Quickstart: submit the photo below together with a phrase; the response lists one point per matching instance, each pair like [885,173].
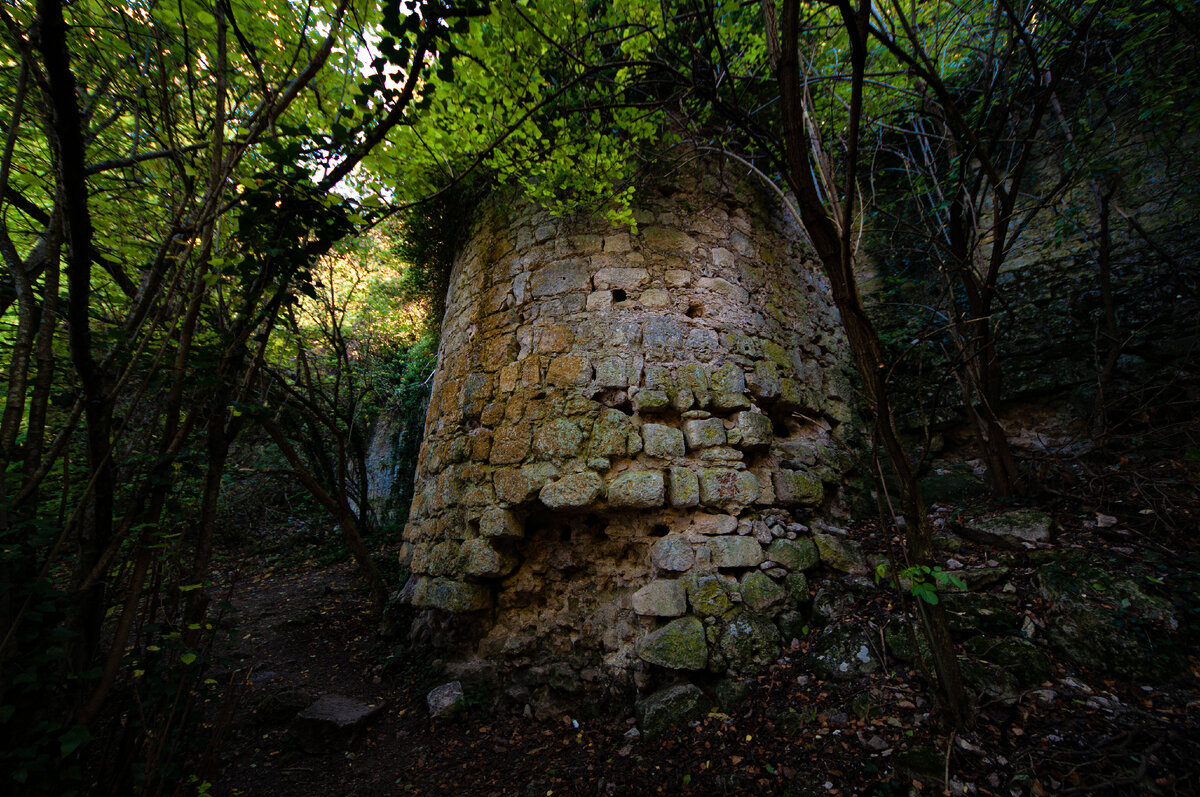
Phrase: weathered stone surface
[627,279]
[331,723]
[560,277]
[754,429]
[714,524]
[661,599]
[671,706]
[1017,529]
[660,440]
[340,711]
[610,435]
[568,370]
[613,372]
[840,553]
[679,645]
[692,383]
[795,555]
[748,642]
[559,438]
[673,552]
[728,385]
[510,445]
[480,559]
[454,596]
[727,488]
[798,487]
[651,400]
[445,699]
[637,489]
[708,596]
[704,433]
[573,491]
[760,592]
[497,522]
[685,487]
[668,239]
[730,552]
[766,383]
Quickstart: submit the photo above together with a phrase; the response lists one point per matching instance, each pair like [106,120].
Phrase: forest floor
[302,631]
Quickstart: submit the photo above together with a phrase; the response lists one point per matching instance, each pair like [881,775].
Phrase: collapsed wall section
[628,439]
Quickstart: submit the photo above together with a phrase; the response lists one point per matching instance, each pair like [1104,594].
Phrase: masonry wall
[629,442]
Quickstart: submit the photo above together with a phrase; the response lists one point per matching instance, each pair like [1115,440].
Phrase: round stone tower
[628,440]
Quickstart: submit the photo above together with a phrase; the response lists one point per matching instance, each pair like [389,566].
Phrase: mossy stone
[679,645]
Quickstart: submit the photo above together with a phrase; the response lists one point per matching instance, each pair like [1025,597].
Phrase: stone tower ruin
[629,439]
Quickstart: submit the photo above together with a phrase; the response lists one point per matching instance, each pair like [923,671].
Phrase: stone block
[660,440]
[560,277]
[755,429]
[617,243]
[798,487]
[568,370]
[679,645]
[510,445]
[668,239]
[610,433]
[626,279]
[497,522]
[685,487]
[512,486]
[559,439]
[613,372]
[572,492]
[678,277]
[673,552]
[725,488]
[709,525]
[760,593]
[733,551]
[599,301]
[651,401]
[655,297]
[443,558]
[708,596]
[728,386]
[704,433]
[671,706]
[736,294]
[693,379]
[839,553]
[637,489]
[479,558]
[555,339]
[748,642]
[765,383]
[455,596]
[661,598]
[795,555]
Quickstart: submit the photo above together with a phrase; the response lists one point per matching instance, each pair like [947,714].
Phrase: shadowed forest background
[228,230]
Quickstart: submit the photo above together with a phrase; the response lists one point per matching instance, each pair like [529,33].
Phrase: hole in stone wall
[660,530]
[564,533]
[695,310]
[614,398]
[619,294]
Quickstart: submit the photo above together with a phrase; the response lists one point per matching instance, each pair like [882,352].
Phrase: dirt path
[304,633]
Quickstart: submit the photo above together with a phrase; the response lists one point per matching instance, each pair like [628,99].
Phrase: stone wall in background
[631,443]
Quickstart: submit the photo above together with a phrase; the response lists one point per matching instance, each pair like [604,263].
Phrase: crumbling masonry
[629,439]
